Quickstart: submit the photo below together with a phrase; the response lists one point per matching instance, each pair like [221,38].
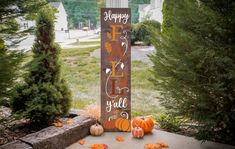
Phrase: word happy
[117,17]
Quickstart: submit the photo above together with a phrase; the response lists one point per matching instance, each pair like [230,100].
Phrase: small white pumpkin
[96,130]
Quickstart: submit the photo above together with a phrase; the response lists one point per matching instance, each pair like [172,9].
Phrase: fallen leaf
[70,121]
[152,146]
[119,139]
[57,124]
[162,144]
[81,142]
[99,146]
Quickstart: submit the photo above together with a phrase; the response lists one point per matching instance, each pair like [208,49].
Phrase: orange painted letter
[115,32]
[114,70]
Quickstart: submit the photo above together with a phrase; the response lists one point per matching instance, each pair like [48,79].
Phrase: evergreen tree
[9,63]
[9,60]
[194,66]
[45,95]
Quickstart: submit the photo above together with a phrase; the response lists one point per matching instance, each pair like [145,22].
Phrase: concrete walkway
[174,141]
[138,53]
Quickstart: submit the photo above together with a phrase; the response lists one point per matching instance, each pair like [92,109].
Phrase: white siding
[61,22]
[151,11]
[25,24]
[116,3]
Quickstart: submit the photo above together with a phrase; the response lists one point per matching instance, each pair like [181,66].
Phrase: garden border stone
[54,137]
[16,145]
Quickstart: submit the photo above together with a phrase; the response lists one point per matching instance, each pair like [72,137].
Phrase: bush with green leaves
[168,122]
[44,96]
[194,67]
[142,31]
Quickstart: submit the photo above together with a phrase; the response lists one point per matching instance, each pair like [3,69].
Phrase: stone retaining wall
[54,137]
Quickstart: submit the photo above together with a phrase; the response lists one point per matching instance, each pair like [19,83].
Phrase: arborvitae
[194,66]
[9,65]
[44,96]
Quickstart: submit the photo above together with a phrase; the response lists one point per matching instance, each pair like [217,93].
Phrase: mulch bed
[11,129]
[19,130]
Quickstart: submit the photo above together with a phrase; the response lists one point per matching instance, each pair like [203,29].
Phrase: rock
[5,112]
[60,137]
[16,145]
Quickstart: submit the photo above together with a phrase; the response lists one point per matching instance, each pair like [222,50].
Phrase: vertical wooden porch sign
[116,69]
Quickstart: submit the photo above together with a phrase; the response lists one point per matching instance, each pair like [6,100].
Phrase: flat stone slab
[174,141]
[16,145]
[60,137]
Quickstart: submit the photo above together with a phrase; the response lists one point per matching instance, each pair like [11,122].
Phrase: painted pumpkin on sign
[109,124]
[96,130]
[123,124]
[137,132]
[146,123]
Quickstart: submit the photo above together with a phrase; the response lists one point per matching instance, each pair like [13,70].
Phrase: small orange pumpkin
[123,124]
[137,132]
[146,123]
[109,124]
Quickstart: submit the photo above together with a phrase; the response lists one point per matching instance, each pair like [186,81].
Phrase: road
[64,39]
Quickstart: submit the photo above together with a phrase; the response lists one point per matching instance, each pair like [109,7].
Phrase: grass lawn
[82,73]
[85,43]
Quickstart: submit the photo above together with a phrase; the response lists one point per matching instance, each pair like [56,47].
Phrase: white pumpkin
[96,130]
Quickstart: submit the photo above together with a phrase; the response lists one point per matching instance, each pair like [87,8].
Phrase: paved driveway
[139,53]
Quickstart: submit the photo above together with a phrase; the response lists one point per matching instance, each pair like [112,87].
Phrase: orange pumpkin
[123,124]
[137,132]
[146,123]
[109,124]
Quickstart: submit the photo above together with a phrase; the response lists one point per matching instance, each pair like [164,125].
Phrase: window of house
[26,25]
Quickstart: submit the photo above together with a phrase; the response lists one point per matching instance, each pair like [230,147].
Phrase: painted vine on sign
[115,69]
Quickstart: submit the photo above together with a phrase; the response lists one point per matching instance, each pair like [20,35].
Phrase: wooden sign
[115,69]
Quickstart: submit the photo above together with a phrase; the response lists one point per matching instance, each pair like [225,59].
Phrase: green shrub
[44,96]
[142,31]
[168,122]
[9,64]
[194,67]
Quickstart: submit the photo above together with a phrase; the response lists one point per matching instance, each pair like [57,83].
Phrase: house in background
[61,22]
[152,11]
[25,24]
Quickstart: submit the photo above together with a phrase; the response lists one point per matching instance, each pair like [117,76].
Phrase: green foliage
[194,66]
[9,63]
[81,11]
[142,31]
[44,95]
[168,122]
[8,13]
